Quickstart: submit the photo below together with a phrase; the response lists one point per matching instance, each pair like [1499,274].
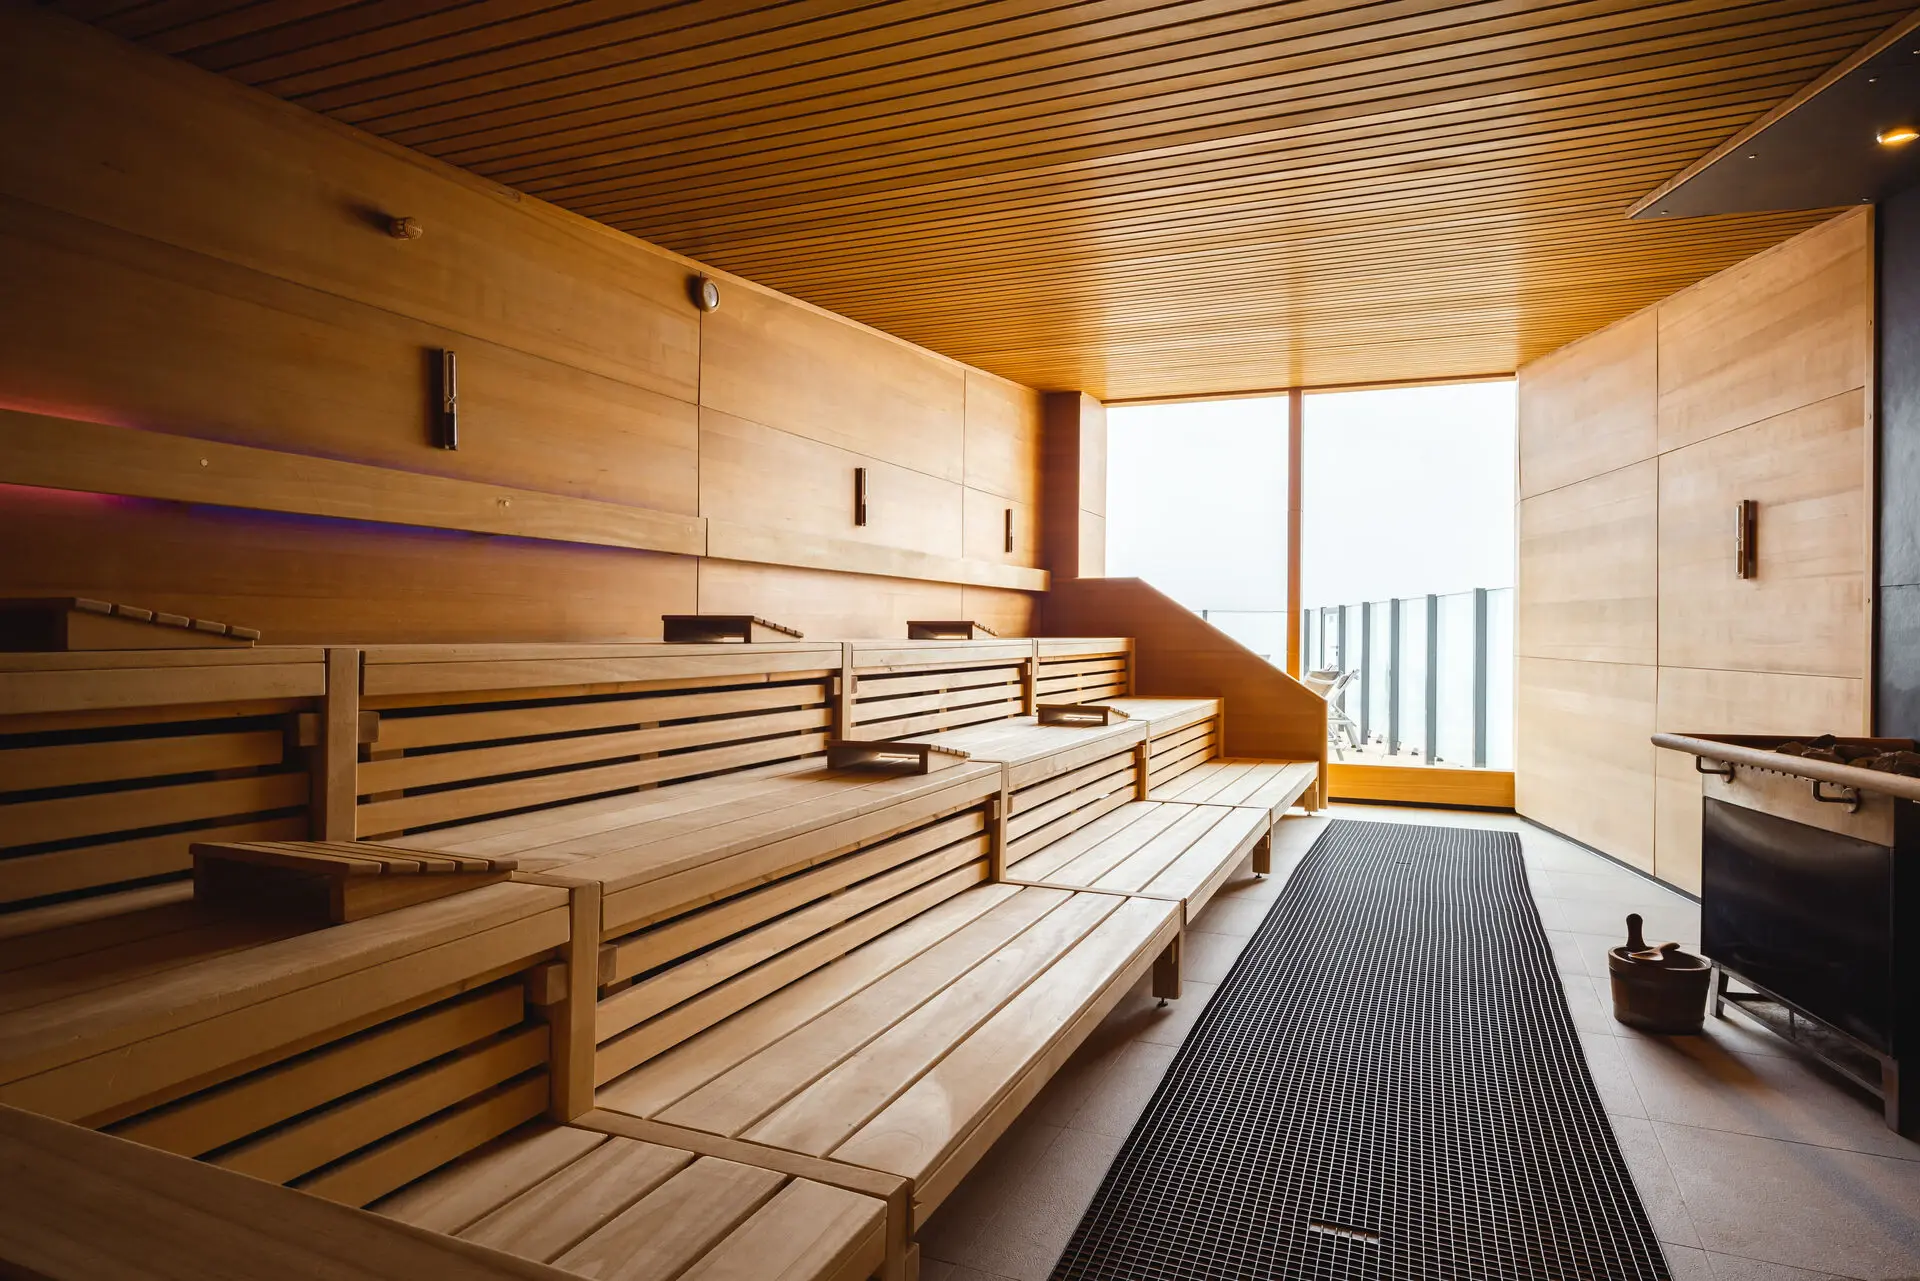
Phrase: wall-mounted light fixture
[1746,556]
[446,397]
[1898,136]
[405,228]
[704,293]
[859,495]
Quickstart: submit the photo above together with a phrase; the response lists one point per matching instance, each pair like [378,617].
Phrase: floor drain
[1342,1230]
[1386,1087]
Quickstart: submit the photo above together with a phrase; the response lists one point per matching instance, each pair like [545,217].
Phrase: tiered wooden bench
[735,1012]
[1184,739]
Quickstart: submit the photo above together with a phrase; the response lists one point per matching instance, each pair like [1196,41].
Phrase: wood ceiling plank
[1131,197]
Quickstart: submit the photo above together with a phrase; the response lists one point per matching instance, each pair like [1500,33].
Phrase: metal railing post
[1480,678]
[1433,677]
[1366,669]
[1394,667]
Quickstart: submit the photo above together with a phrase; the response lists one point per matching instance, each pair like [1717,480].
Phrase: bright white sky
[1408,491]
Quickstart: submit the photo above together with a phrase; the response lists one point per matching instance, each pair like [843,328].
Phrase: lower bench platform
[613,1206]
[911,1054]
[1272,786]
[1161,849]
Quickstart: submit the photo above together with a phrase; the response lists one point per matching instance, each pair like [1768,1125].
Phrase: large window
[1191,508]
[1406,555]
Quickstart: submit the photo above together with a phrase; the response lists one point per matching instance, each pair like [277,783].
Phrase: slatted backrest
[345,1061]
[1059,778]
[462,733]
[1181,733]
[113,763]
[1082,670]
[908,688]
[700,923]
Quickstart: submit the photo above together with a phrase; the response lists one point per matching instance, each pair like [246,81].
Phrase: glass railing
[1422,680]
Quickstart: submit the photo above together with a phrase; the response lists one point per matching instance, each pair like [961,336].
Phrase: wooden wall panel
[187,256]
[1584,764]
[1723,702]
[1806,609]
[1590,407]
[782,363]
[1589,569]
[1007,613]
[104,131]
[306,580]
[760,476]
[1073,515]
[1003,438]
[104,325]
[1764,383]
[1786,328]
[986,529]
[826,606]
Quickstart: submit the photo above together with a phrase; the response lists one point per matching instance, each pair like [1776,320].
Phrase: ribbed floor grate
[1387,1085]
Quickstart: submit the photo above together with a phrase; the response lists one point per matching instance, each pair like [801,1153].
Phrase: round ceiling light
[1898,136]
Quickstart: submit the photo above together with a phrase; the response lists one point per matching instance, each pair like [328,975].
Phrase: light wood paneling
[1073,512]
[229,175]
[1004,423]
[1584,762]
[777,481]
[825,605]
[1721,702]
[308,580]
[188,257]
[986,529]
[1007,613]
[1806,609]
[204,348]
[1788,328]
[1591,407]
[1101,198]
[1589,569]
[774,361]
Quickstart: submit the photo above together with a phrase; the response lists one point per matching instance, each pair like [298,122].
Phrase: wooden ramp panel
[343,1061]
[468,732]
[1082,671]
[1184,852]
[113,764]
[1272,786]
[912,1053]
[598,1204]
[904,689]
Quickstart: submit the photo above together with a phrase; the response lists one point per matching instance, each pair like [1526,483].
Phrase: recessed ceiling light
[1899,136]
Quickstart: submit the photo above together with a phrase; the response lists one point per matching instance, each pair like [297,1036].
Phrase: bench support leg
[572,1046]
[1263,856]
[1166,972]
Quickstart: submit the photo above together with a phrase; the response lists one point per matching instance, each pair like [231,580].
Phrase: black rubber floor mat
[1387,1085]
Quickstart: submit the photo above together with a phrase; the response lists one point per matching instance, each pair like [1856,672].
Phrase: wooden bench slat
[455,1197]
[77,764]
[837,1103]
[807,1231]
[652,1087]
[750,1077]
[665,1232]
[69,817]
[443,728]
[562,1210]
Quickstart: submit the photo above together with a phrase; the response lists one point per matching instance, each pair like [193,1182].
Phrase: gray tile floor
[1753,1164]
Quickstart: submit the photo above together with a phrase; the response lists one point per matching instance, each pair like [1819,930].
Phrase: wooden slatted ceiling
[1128,197]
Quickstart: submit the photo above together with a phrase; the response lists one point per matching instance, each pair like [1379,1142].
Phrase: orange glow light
[1897,137]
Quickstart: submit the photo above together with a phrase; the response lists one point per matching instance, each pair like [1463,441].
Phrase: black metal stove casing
[1826,923]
